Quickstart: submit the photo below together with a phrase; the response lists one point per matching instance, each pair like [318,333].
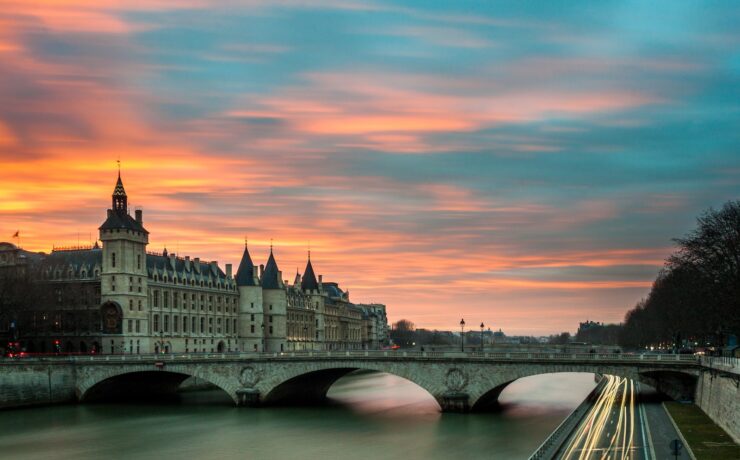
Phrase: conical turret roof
[309,282]
[271,275]
[245,272]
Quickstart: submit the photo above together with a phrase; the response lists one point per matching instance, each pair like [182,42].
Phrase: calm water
[376,416]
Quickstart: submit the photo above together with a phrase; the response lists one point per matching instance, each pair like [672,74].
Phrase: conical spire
[120,200]
[245,273]
[271,275]
[309,282]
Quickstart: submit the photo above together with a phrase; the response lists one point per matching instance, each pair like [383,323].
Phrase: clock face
[111,319]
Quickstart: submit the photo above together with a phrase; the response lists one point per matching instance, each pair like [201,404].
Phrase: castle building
[121,298]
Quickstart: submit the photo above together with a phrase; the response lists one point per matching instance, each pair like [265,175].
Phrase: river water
[373,416]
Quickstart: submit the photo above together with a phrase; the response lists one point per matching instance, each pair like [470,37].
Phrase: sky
[521,164]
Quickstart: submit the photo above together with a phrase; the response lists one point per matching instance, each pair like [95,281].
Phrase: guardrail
[473,356]
[555,441]
[723,363]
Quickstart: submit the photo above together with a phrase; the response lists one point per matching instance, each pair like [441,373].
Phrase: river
[373,416]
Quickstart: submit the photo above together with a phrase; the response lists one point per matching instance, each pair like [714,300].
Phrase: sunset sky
[523,164]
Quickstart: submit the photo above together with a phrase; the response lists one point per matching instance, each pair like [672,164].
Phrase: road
[627,422]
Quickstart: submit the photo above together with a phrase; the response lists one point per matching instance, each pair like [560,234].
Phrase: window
[270,318]
[113,259]
[251,317]
[185,324]
[138,262]
[131,306]
[155,327]
[202,325]
[138,328]
[175,322]
[139,304]
[192,325]
[251,328]
[270,329]
[167,323]
[130,325]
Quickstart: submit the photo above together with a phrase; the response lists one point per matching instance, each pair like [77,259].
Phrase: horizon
[526,166]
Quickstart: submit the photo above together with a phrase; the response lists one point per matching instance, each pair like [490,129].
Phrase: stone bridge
[458,381]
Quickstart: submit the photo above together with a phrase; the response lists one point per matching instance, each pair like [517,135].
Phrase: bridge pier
[454,402]
[248,397]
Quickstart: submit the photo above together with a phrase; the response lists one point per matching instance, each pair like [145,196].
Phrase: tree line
[696,296]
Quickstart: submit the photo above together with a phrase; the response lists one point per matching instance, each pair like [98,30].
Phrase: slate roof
[121,220]
[183,269]
[245,272]
[270,277]
[78,260]
[309,279]
[332,289]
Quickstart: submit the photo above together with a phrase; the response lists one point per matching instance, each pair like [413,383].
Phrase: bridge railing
[396,354]
[723,363]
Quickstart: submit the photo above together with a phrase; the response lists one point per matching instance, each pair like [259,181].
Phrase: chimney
[228,270]
[262,270]
[139,216]
[255,275]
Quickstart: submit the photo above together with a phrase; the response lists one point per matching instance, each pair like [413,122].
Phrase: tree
[697,294]
[560,339]
[403,333]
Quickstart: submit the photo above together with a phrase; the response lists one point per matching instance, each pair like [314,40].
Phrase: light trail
[615,407]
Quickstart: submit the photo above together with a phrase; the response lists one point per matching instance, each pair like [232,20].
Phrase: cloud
[501,164]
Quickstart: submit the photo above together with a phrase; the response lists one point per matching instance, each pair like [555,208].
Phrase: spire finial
[270,245]
[246,241]
[118,161]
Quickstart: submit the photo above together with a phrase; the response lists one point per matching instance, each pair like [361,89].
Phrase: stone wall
[23,384]
[718,395]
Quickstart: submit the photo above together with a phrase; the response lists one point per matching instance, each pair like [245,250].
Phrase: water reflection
[373,416]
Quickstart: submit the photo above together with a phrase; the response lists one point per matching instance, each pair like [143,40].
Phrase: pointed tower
[123,288]
[250,305]
[274,306]
[315,294]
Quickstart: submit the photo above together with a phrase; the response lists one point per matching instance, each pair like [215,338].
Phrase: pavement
[627,422]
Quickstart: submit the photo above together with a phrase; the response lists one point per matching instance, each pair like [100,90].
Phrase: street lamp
[462,335]
[481,335]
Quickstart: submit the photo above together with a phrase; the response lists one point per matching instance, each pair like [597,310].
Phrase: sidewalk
[707,440]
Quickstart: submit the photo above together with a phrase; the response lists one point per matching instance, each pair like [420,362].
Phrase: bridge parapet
[405,355]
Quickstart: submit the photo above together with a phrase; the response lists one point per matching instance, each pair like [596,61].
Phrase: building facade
[117,297]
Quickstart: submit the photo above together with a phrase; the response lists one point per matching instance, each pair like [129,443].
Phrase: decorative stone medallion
[456,379]
[249,377]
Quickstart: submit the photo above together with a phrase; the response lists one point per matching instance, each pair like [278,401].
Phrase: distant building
[120,298]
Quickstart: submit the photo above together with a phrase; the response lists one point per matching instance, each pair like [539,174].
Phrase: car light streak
[614,408]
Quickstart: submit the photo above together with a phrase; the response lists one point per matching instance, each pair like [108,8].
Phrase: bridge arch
[101,381]
[677,385]
[310,384]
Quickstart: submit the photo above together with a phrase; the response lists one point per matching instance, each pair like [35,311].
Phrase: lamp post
[462,335]
[305,337]
[481,335]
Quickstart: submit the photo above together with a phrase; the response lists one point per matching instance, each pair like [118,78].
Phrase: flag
[17,234]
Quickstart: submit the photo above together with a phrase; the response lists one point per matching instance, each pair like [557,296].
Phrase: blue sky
[522,163]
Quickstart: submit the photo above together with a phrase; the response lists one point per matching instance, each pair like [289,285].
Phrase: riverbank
[707,440]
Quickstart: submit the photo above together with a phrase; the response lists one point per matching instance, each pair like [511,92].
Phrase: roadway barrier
[557,438]
[731,363]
